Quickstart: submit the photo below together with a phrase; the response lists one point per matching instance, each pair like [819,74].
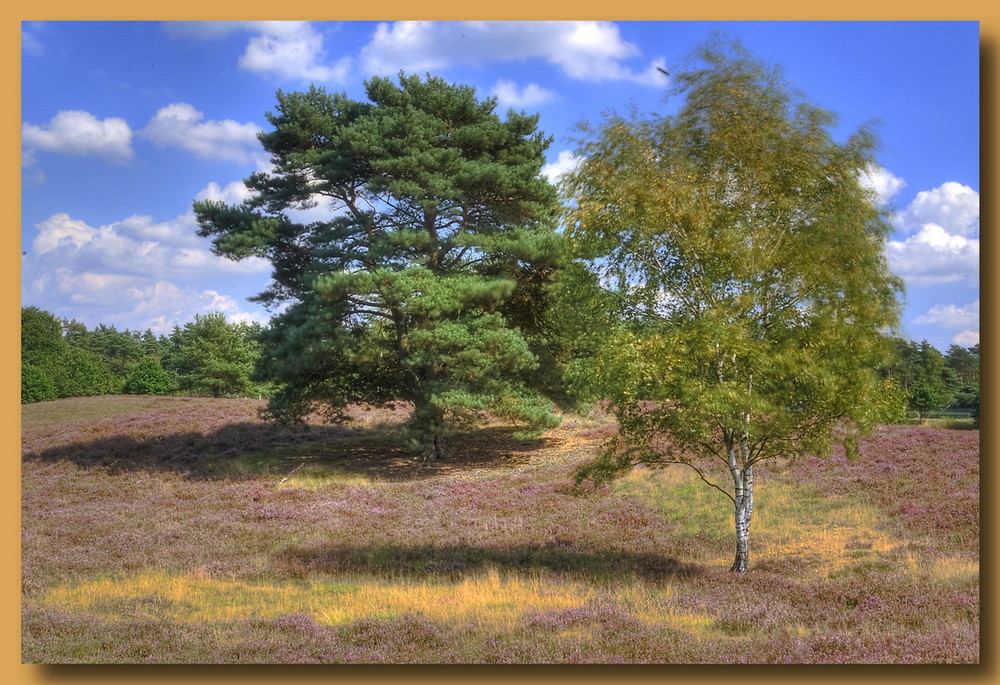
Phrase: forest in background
[213,357]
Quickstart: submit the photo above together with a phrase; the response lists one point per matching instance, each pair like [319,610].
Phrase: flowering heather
[927,479]
[172,530]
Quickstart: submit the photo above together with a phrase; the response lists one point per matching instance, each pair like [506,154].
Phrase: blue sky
[124,124]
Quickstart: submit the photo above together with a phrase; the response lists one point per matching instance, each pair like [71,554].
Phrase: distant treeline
[206,357]
[216,358]
[934,381]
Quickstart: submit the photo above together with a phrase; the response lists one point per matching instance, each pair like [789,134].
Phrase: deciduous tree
[749,264]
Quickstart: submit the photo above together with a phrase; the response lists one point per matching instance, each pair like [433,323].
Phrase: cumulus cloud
[882,183]
[940,237]
[136,246]
[584,50]
[291,50]
[73,132]
[966,338]
[136,272]
[934,256]
[233,194]
[566,161]
[181,125]
[953,206]
[508,94]
[951,316]
[163,304]
[283,49]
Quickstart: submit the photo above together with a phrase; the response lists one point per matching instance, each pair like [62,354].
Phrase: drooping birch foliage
[749,261]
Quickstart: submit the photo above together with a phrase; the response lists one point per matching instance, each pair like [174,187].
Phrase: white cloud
[291,50]
[952,206]
[283,49]
[941,237]
[233,194]
[181,125]
[583,50]
[966,338]
[951,316]
[509,95]
[134,273]
[133,302]
[882,182]
[61,229]
[73,132]
[163,304]
[934,256]
[566,161]
[134,247]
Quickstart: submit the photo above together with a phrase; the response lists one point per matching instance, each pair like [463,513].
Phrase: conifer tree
[425,280]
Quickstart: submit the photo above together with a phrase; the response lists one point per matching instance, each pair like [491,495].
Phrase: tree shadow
[457,561]
[251,450]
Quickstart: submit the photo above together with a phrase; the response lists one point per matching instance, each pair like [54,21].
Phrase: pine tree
[427,281]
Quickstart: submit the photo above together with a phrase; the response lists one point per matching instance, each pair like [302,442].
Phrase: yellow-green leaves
[748,259]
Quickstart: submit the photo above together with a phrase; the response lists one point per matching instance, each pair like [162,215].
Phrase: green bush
[148,378]
[84,374]
[36,385]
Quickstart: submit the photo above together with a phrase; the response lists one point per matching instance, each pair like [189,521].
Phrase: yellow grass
[789,521]
[487,600]
[481,599]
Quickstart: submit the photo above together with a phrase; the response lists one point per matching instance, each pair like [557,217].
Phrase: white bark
[743,482]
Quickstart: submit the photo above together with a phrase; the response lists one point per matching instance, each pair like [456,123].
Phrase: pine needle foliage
[426,279]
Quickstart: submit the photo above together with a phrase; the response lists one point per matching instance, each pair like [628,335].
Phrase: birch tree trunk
[743,480]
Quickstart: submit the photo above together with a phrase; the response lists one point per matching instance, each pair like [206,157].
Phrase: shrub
[82,373]
[148,378]
[36,385]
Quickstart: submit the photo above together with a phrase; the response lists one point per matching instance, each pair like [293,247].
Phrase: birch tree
[748,261]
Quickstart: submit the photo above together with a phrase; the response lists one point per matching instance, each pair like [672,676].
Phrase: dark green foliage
[120,350]
[49,364]
[149,378]
[933,381]
[83,374]
[42,348]
[216,358]
[37,385]
[429,280]
[42,343]
[207,356]
[964,361]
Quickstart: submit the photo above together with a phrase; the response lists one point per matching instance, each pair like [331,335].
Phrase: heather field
[178,530]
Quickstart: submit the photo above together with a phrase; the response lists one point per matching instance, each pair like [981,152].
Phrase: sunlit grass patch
[292,468]
[682,498]
[790,520]
[481,599]
[487,600]
[952,570]
[793,520]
